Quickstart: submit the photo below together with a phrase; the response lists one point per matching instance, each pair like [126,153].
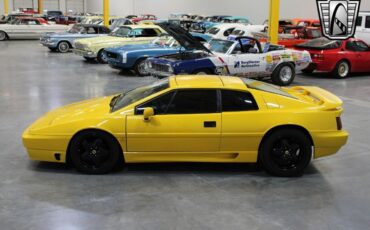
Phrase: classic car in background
[133,57]
[341,58]
[28,28]
[242,57]
[288,40]
[285,25]
[64,41]
[93,48]
[144,17]
[10,17]
[236,19]
[193,119]
[208,22]
[52,15]
[363,26]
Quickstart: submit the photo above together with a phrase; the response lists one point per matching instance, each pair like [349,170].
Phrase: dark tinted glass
[193,102]
[367,22]
[357,46]
[359,21]
[159,104]
[237,101]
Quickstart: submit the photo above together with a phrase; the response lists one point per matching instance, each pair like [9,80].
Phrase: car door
[20,29]
[242,63]
[185,121]
[242,128]
[35,29]
[358,52]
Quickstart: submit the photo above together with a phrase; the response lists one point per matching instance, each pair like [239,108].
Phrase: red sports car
[144,17]
[337,57]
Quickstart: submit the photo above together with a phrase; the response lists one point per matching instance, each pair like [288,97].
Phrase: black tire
[342,69]
[139,68]
[285,152]
[202,72]
[102,58]
[307,71]
[284,74]
[95,152]
[89,59]
[3,36]
[63,47]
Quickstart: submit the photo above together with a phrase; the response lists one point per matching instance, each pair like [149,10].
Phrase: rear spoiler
[319,96]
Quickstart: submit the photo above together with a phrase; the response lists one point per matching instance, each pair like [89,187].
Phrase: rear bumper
[320,66]
[328,143]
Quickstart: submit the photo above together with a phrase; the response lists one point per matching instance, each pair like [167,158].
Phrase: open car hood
[183,37]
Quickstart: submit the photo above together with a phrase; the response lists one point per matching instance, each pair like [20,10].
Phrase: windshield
[76,29]
[220,46]
[137,94]
[121,32]
[258,85]
[165,41]
[213,30]
[322,43]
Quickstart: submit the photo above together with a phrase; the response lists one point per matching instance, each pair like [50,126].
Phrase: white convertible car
[243,56]
[28,28]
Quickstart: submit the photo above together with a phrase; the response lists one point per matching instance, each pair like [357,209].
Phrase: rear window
[258,85]
[322,43]
[213,30]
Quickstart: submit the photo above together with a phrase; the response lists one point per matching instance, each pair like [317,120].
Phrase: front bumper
[85,53]
[328,143]
[118,65]
[49,44]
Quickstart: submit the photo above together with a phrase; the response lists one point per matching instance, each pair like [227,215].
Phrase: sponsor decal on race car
[246,64]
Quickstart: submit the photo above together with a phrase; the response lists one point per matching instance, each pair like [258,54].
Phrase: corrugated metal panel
[76,6]
[51,5]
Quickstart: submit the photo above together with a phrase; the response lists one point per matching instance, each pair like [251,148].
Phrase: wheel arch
[6,34]
[68,160]
[68,42]
[290,126]
[343,59]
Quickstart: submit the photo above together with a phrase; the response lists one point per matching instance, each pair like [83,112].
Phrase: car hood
[133,47]
[183,37]
[63,35]
[81,111]
[101,40]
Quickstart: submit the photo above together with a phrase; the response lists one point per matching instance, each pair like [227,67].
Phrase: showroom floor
[333,194]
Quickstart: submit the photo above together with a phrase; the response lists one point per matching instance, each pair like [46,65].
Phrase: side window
[357,46]
[233,101]
[367,22]
[91,30]
[237,49]
[159,104]
[148,33]
[228,32]
[194,102]
[359,21]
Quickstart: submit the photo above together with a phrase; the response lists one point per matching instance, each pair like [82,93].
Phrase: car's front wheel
[3,36]
[285,152]
[342,69]
[95,152]
[283,75]
[63,47]
[140,68]
[102,57]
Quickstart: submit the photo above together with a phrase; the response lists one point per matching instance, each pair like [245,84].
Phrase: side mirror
[148,113]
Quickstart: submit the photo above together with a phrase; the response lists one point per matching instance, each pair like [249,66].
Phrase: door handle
[210,124]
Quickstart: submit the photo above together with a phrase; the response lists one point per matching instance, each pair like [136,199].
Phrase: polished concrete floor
[333,194]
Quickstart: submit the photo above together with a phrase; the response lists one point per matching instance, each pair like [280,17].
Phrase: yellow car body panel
[182,137]
[94,45]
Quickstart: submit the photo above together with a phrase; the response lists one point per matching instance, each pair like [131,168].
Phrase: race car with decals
[244,56]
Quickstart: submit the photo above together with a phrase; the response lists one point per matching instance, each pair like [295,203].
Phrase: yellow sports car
[193,119]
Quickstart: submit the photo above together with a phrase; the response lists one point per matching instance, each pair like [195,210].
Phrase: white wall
[62,4]
[256,10]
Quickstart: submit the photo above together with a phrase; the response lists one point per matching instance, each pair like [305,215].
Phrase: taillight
[339,123]
[319,57]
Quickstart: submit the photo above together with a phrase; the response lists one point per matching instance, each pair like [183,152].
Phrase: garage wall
[63,5]
[256,10]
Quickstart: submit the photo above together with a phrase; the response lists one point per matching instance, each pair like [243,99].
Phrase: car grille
[44,39]
[111,55]
[160,67]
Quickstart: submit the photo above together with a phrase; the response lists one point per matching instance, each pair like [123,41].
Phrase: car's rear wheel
[286,152]
[140,68]
[342,69]
[63,47]
[283,75]
[3,36]
[102,57]
[94,152]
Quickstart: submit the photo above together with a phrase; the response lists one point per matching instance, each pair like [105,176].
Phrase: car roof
[206,81]
[142,26]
